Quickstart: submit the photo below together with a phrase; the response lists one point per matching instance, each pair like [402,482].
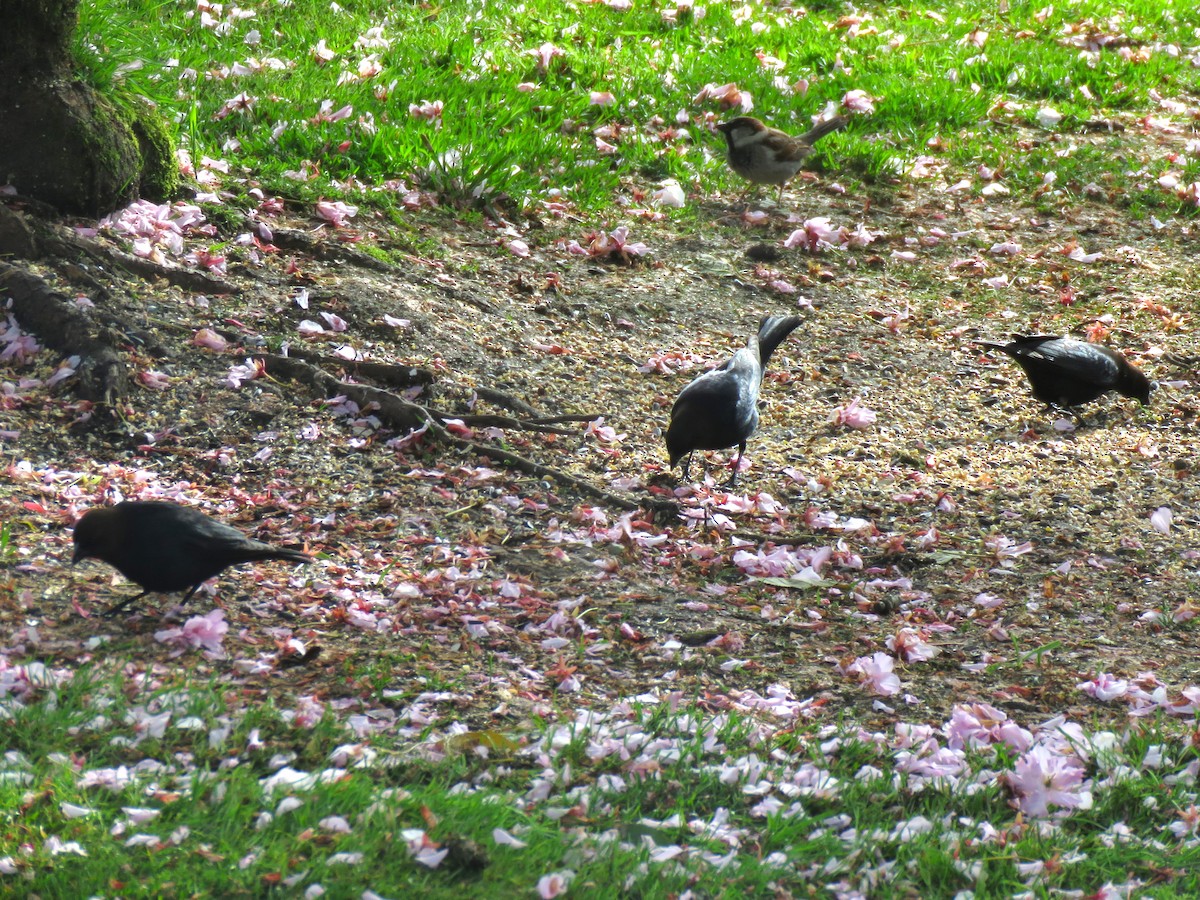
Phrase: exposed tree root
[397,412]
[397,376]
[403,415]
[69,245]
[101,374]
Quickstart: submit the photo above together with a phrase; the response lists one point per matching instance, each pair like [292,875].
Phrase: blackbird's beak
[80,553]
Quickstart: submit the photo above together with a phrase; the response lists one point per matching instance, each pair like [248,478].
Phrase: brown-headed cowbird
[1065,372]
[165,547]
[767,155]
[720,408]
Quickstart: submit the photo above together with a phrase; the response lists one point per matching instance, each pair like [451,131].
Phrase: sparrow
[165,547]
[766,155]
[719,408]
[1065,372]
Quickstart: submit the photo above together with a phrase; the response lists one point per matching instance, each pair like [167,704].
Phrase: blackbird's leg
[687,466]
[113,610]
[737,465]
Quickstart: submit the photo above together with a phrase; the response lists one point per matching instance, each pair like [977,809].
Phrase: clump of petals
[854,415]
[728,96]
[554,884]
[1042,778]
[204,632]
[858,101]
[876,672]
[909,644]
[335,212]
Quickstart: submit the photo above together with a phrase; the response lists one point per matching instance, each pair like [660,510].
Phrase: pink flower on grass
[205,632]
[545,54]
[816,234]
[335,212]
[1105,687]
[728,96]
[859,102]
[554,884]
[427,109]
[854,415]
[876,672]
[1042,778]
[911,644]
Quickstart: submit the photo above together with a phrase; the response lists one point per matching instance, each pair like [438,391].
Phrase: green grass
[496,144]
[653,797]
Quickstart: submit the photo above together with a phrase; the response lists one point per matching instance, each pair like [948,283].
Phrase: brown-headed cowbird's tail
[818,131]
[771,333]
[277,553]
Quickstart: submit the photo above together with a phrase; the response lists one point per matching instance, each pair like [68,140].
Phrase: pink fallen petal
[1048,117]
[1162,519]
[335,211]
[859,101]
[854,415]
[209,339]
[554,884]
[670,194]
[336,323]
[503,839]
[155,381]
[309,328]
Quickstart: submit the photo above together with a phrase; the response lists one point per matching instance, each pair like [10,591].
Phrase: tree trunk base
[76,151]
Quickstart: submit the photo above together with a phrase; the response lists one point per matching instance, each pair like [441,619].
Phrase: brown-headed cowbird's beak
[1065,372]
[719,409]
[165,547]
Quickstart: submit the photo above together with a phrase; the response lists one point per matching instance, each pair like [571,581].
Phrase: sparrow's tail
[821,129]
[771,333]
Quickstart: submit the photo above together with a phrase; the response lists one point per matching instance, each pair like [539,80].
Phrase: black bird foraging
[1065,372]
[165,547]
[719,408]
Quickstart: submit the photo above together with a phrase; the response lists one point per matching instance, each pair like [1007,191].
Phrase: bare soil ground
[513,592]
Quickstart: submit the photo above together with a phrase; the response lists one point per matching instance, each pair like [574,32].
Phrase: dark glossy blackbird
[1065,372]
[719,409]
[165,547]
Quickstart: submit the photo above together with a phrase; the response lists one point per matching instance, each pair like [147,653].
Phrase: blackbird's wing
[181,547]
[705,415]
[1068,358]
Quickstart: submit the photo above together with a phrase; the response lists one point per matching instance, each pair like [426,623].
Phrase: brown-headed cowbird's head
[97,534]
